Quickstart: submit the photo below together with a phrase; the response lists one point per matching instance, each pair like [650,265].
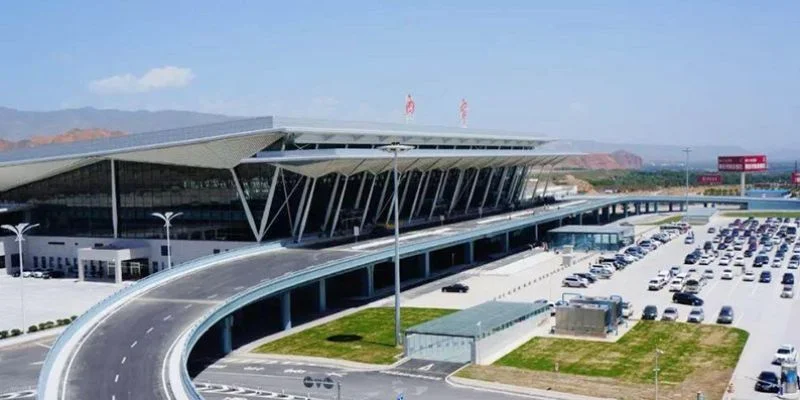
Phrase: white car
[793,264]
[724,261]
[749,276]
[738,261]
[656,283]
[786,352]
[682,275]
[708,274]
[787,292]
[627,309]
[776,264]
[676,285]
[705,260]
[727,274]
[574,281]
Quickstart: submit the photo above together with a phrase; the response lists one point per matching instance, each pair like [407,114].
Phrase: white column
[300,206]
[246,206]
[424,192]
[330,203]
[369,200]
[500,187]
[456,191]
[307,208]
[486,191]
[472,189]
[268,206]
[379,204]
[442,179]
[339,206]
[114,215]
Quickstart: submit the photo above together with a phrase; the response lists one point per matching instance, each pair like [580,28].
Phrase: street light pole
[656,370]
[395,148]
[686,201]
[167,218]
[19,230]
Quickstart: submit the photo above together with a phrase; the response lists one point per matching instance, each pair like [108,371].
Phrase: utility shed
[474,334]
[699,216]
[592,237]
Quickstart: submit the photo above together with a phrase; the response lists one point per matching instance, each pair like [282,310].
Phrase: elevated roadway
[128,347]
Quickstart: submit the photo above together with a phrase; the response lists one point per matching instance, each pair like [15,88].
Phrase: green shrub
[73,318]
[15,332]
[67,321]
[3,334]
[33,328]
[42,326]
[49,324]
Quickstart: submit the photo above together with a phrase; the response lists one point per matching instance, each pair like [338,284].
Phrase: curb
[31,337]
[327,362]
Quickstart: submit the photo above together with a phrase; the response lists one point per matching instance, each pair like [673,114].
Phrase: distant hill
[618,159]
[16,125]
[73,135]
[650,153]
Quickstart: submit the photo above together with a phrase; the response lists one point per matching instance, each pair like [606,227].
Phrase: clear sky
[672,72]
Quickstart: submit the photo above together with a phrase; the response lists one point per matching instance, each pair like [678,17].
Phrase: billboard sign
[796,178]
[756,163]
[709,179]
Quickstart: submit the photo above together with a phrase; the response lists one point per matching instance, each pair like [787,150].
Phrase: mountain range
[35,126]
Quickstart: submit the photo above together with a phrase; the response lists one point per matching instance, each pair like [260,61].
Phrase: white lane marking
[253,368]
[755,288]
[294,371]
[113,397]
[188,306]
[123,360]
[135,342]
[217,366]
[238,288]
[37,363]
[149,330]
[40,344]
[212,296]
[167,318]
[402,238]
[116,378]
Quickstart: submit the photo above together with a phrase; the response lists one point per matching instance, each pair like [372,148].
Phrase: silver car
[670,314]
[696,315]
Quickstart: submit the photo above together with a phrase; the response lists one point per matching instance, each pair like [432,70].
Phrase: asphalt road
[263,374]
[20,365]
[123,356]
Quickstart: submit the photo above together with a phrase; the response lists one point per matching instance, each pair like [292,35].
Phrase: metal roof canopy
[464,323]
[316,163]
[620,229]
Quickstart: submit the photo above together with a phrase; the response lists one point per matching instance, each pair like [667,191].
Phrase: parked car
[670,314]
[727,274]
[587,275]
[456,288]
[787,292]
[676,285]
[786,352]
[687,298]
[696,315]
[708,274]
[738,261]
[749,276]
[767,382]
[656,283]
[627,309]
[725,315]
[788,279]
[574,281]
[56,274]
[650,312]
[765,277]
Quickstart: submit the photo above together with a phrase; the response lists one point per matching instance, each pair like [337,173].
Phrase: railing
[146,283]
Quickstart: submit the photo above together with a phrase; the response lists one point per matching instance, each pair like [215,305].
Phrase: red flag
[410,106]
[463,112]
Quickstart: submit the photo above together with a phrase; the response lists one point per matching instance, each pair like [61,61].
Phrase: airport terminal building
[253,181]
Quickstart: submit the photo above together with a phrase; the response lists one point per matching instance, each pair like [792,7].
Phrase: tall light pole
[167,218]
[657,369]
[686,201]
[395,148]
[20,230]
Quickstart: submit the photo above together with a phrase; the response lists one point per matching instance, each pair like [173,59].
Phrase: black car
[768,382]
[456,288]
[760,261]
[687,298]
[765,277]
[56,274]
[650,313]
[788,279]
[725,315]
[690,259]
[708,246]
[748,253]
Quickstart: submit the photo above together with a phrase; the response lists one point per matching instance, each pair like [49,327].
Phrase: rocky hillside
[73,135]
[619,159]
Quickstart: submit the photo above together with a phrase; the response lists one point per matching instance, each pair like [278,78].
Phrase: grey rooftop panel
[464,323]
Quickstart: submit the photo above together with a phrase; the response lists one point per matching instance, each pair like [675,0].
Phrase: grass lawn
[366,336]
[696,357]
[761,214]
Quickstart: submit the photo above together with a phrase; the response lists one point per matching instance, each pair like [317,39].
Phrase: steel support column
[286,310]
[339,206]
[330,203]
[268,206]
[442,179]
[246,206]
[301,206]
[424,192]
[379,205]
[360,190]
[322,305]
[422,182]
[503,178]
[114,215]
[472,189]
[453,200]
[307,208]
[486,191]
[536,185]
[369,200]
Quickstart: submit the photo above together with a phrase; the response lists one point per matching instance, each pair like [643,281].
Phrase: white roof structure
[226,144]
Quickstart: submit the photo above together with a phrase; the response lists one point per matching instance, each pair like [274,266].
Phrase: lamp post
[657,369]
[20,230]
[686,200]
[395,148]
[167,218]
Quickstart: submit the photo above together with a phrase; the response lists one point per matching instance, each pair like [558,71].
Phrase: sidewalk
[31,337]
[317,361]
[495,387]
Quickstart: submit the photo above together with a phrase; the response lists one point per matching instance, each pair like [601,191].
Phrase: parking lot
[758,307]
[47,299]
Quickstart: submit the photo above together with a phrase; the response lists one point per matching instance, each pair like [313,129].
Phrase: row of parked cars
[39,273]
[606,265]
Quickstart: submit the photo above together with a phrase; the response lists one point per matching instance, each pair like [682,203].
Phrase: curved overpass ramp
[135,345]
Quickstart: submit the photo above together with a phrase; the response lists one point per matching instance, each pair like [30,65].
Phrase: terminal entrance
[116,262]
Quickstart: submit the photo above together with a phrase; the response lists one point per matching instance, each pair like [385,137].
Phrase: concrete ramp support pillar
[655,208]
[369,281]
[286,310]
[323,300]
[507,242]
[625,210]
[117,272]
[426,265]
[580,219]
[669,207]
[596,214]
[647,208]
[469,252]
[226,338]
[81,272]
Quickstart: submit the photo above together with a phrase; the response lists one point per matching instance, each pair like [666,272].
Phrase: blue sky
[675,72]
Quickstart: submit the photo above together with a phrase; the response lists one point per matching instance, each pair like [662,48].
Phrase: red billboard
[709,179]
[757,163]
[796,178]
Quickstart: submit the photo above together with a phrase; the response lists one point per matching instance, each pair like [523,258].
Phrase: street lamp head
[396,147]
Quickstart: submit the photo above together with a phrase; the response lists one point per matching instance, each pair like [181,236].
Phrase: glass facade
[78,202]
